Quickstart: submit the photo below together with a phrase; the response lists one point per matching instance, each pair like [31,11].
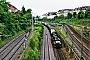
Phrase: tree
[13,22]
[61,17]
[23,10]
[4,4]
[81,15]
[55,17]
[29,11]
[44,18]
[74,14]
[87,13]
[69,15]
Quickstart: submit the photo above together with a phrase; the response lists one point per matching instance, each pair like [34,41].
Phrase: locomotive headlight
[58,42]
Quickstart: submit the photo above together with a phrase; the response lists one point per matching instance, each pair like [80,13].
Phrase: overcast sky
[40,7]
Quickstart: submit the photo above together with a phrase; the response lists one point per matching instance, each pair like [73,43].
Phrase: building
[12,8]
[64,12]
[51,15]
[83,8]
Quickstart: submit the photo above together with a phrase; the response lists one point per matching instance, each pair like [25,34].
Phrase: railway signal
[85,27]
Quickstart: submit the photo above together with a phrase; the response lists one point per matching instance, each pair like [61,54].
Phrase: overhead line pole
[32,22]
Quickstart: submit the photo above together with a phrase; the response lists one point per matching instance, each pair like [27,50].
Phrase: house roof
[81,8]
[52,13]
[68,9]
[12,6]
[62,11]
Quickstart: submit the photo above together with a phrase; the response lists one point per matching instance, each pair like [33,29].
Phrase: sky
[40,7]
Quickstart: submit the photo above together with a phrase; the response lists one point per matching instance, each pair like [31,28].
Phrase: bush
[34,43]
[31,55]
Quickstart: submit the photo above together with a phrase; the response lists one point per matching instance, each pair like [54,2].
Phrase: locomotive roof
[56,38]
[53,30]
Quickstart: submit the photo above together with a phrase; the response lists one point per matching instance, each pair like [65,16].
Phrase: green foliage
[31,55]
[69,15]
[1,26]
[1,30]
[58,30]
[27,16]
[81,15]
[34,43]
[29,11]
[12,23]
[23,10]
[55,17]
[87,13]
[74,14]
[61,17]
[57,20]
[44,18]
[4,5]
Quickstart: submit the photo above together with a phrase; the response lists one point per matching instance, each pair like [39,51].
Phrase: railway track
[11,49]
[60,54]
[82,47]
[47,52]
[79,35]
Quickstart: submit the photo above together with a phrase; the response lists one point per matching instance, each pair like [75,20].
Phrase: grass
[33,44]
[77,27]
[65,36]
[83,22]
[63,32]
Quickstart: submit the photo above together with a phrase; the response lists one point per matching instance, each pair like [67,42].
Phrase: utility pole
[32,24]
